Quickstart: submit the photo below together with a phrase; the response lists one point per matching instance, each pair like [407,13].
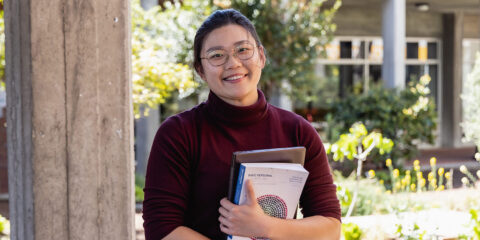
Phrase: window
[470,49]
[352,64]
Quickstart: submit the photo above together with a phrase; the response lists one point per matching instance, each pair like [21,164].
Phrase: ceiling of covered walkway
[443,6]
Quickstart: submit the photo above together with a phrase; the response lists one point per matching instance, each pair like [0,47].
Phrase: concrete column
[458,78]
[147,4]
[69,115]
[393,31]
[280,99]
[450,103]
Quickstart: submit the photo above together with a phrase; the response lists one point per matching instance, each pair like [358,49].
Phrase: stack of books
[277,176]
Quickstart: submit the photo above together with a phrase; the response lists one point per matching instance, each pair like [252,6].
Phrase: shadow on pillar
[3,164]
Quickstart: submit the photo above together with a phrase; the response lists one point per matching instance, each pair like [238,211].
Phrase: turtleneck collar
[225,112]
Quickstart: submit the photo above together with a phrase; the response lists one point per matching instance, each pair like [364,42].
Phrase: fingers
[225,215]
[225,229]
[227,204]
[224,222]
[223,212]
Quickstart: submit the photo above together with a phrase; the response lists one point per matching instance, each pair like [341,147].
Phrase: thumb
[251,198]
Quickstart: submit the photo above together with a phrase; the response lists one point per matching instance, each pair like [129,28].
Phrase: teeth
[234,78]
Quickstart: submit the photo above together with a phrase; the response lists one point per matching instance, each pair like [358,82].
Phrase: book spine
[236,199]
[241,173]
[231,180]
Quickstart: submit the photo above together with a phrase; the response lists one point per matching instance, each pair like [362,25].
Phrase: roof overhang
[442,6]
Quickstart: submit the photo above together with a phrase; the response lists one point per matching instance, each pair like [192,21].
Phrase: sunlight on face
[236,80]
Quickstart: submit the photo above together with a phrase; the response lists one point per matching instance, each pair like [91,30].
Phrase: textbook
[272,155]
[286,155]
[277,187]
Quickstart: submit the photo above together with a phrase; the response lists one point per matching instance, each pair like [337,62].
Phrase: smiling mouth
[233,78]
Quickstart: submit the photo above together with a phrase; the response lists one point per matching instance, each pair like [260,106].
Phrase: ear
[200,72]
[263,58]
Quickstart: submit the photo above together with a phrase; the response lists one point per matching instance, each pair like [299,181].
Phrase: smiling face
[235,82]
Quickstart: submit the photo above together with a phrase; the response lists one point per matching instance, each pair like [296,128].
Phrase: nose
[233,61]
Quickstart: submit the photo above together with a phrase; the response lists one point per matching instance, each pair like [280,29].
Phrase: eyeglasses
[219,57]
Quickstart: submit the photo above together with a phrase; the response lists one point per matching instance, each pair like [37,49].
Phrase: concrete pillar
[69,115]
[3,155]
[147,4]
[393,31]
[280,99]
[458,78]
[451,85]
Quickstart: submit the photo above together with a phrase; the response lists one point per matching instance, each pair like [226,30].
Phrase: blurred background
[392,87]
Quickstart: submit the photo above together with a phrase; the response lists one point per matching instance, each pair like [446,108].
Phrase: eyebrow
[220,47]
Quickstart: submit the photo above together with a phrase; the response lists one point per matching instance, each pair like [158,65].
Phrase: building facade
[440,39]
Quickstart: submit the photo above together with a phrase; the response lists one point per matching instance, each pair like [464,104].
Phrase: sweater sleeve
[319,195]
[167,181]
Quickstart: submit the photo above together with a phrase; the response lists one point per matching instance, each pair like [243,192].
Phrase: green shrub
[410,232]
[351,231]
[371,196]
[407,116]
[4,227]
[476,223]
[139,185]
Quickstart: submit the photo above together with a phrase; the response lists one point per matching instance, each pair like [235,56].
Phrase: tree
[407,116]
[162,42]
[294,34]
[358,143]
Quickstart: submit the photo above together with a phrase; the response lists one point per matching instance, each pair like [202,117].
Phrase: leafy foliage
[139,185]
[476,223]
[471,105]
[349,143]
[351,231]
[371,195]
[410,232]
[406,116]
[294,33]
[162,42]
[357,144]
[4,228]
[413,180]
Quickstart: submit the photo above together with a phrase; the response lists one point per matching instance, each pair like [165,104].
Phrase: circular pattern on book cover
[273,206]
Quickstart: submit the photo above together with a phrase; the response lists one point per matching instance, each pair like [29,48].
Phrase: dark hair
[218,19]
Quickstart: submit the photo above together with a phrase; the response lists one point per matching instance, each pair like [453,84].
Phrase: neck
[223,111]
[242,102]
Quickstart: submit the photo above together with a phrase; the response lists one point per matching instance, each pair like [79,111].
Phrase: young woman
[189,164]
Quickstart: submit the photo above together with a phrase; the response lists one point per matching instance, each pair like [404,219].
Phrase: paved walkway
[447,217]
[139,227]
[438,224]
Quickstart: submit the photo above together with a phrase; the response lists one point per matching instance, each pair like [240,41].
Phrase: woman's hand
[247,220]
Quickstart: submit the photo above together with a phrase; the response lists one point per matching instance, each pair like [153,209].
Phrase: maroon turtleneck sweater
[189,163]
